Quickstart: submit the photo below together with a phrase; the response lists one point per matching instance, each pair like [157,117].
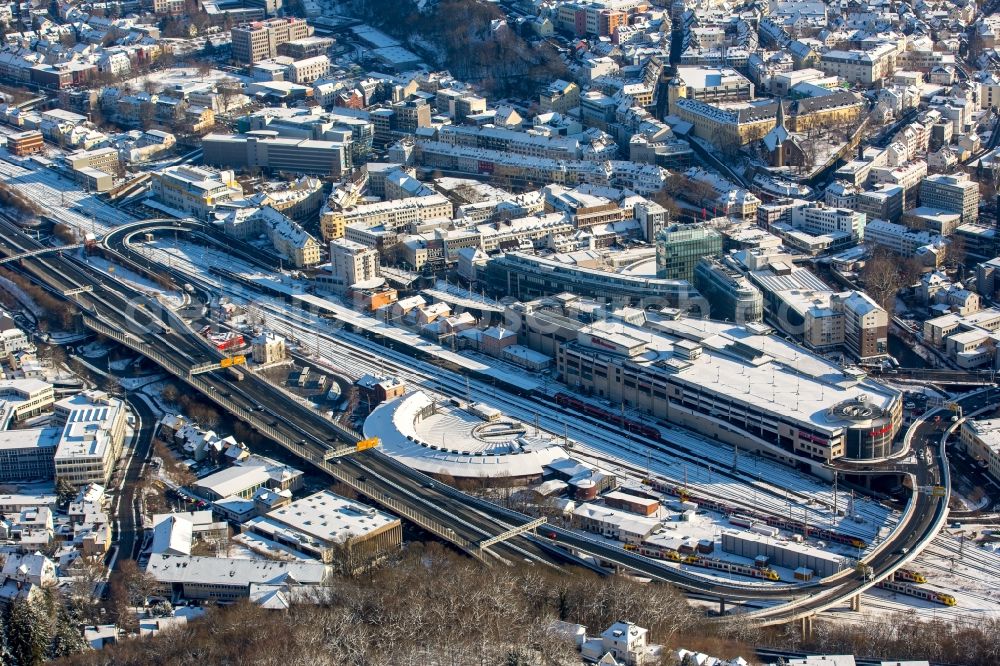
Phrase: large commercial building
[738,385]
[464,440]
[729,293]
[253,42]
[954,193]
[679,247]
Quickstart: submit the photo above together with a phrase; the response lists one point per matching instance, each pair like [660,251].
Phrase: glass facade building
[680,246]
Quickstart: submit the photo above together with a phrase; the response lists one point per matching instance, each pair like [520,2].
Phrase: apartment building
[866,68]
[267,348]
[866,325]
[92,433]
[394,214]
[195,191]
[560,96]
[254,42]
[955,193]
[287,236]
[351,263]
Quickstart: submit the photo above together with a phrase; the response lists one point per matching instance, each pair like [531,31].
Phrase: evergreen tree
[67,639]
[28,628]
[6,657]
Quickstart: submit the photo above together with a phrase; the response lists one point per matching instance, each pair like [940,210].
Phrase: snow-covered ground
[61,198]
[171,298]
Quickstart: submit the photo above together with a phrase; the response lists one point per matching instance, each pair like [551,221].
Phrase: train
[910,576]
[647,431]
[918,592]
[697,560]
[744,515]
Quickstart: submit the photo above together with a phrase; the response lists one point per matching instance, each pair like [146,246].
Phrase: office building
[268,151]
[710,85]
[982,443]
[883,203]
[866,68]
[392,215]
[729,293]
[332,529]
[679,247]
[954,193]
[25,143]
[92,434]
[902,240]
[818,218]
[228,579]
[195,191]
[806,308]
[23,398]
[28,454]
[525,276]
[254,42]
